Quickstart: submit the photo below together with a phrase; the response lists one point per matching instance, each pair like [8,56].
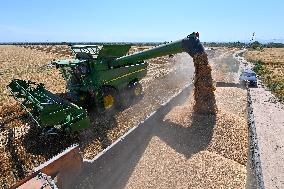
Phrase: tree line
[238,44]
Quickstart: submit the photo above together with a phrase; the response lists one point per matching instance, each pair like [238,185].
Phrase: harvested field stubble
[22,63]
[269,64]
[225,67]
[62,50]
[18,62]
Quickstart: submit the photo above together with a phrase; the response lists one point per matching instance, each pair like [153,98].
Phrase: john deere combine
[99,77]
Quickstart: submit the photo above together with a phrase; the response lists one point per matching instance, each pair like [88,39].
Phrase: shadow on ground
[114,168]
[36,142]
[188,140]
[17,163]
[226,84]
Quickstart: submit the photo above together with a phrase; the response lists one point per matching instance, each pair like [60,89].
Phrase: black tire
[130,94]
[125,99]
[253,84]
[110,100]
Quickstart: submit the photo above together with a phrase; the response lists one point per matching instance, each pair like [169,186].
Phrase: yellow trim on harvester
[125,75]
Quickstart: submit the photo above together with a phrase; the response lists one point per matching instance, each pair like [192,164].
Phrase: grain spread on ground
[23,149]
[193,150]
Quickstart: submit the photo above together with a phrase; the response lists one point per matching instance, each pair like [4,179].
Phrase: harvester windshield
[85,51]
[74,74]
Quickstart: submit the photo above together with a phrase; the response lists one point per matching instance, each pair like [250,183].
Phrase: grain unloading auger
[101,77]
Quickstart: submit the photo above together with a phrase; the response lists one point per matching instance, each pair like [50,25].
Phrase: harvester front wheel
[110,99]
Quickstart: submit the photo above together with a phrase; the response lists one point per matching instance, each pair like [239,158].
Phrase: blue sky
[143,20]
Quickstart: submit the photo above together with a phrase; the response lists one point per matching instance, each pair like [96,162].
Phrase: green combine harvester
[100,77]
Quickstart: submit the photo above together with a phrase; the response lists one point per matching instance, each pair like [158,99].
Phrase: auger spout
[190,44]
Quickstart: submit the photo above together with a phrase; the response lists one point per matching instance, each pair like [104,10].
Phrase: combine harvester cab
[49,111]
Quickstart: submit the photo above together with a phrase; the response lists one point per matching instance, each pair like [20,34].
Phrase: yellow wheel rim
[138,91]
[108,101]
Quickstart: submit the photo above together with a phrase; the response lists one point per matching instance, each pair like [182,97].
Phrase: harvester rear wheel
[137,89]
[130,94]
[110,99]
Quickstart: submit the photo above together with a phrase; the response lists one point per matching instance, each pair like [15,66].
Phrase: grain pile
[196,151]
[164,168]
[192,150]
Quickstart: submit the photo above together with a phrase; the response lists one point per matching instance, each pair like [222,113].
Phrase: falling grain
[203,86]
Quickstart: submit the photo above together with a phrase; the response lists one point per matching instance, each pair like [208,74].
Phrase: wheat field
[272,61]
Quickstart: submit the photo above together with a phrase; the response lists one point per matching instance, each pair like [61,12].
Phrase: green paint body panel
[93,69]
[162,50]
[120,77]
[47,109]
